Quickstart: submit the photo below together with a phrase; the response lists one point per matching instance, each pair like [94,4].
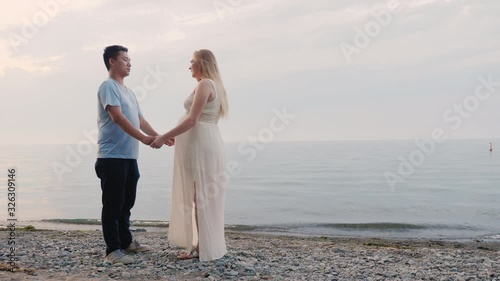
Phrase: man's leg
[113,177]
[129,201]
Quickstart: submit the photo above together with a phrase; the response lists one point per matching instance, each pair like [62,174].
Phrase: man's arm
[146,127]
[117,116]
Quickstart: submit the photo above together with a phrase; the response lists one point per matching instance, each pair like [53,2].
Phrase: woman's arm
[200,99]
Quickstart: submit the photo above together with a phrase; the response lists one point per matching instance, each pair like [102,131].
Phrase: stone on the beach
[261,257]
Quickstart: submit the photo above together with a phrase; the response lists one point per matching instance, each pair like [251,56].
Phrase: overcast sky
[344,69]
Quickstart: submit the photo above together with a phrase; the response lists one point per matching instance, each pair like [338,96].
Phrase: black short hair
[112,52]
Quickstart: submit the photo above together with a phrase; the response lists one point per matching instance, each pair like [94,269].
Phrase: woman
[199,183]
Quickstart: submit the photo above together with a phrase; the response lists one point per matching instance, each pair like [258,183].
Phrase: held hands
[157,143]
[160,141]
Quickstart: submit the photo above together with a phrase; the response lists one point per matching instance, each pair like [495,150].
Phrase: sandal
[185,256]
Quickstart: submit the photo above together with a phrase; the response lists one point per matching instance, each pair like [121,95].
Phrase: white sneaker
[135,247]
[118,256]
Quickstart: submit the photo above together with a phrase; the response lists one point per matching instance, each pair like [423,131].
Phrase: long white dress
[200,168]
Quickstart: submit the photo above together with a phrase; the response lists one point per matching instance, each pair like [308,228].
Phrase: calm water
[327,188]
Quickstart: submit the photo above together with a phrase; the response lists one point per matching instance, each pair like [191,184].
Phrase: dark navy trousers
[119,179]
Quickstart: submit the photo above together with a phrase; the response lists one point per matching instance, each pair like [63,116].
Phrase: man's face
[121,65]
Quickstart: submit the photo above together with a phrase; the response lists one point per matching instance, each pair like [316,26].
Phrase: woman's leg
[196,219]
[186,256]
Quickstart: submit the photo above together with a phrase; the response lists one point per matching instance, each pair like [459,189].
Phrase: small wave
[371,226]
[141,223]
[494,237]
[385,226]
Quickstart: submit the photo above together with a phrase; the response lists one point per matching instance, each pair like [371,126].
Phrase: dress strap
[213,86]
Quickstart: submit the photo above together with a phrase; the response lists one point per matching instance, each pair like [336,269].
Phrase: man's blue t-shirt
[112,141]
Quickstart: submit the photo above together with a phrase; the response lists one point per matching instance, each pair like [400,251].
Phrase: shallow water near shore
[306,188]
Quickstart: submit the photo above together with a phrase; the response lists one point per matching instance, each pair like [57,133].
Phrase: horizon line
[285,141]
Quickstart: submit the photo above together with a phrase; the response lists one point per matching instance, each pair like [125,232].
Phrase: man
[120,124]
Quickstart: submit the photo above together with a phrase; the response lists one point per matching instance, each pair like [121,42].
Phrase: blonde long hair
[210,70]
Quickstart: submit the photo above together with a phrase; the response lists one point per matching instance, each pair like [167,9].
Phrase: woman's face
[195,69]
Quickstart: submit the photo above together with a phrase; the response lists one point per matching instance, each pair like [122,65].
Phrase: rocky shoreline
[78,255]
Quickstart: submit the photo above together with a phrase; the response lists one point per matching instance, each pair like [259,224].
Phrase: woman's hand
[170,142]
[157,143]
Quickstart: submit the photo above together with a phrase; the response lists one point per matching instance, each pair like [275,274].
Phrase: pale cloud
[419,3]
[470,62]
[94,47]
[15,13]
[192,19]
[31,65]
[4,56]
[186,15]
[173,35]
[28,63]
[21,24]
[421,35]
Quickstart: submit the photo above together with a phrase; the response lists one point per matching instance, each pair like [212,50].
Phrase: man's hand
[147,140]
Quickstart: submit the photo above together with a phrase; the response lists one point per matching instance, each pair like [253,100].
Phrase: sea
[391,189]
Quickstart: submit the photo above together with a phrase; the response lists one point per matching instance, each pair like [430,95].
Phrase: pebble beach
[79,255]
